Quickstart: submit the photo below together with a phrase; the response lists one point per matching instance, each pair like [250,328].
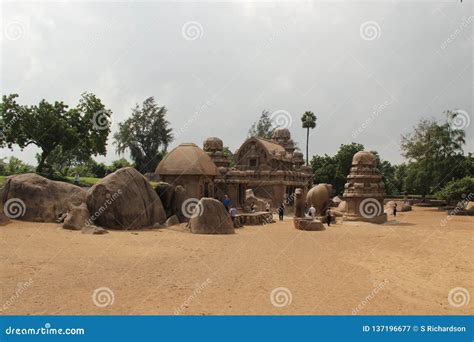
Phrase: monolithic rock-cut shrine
[364,191]
[272,168]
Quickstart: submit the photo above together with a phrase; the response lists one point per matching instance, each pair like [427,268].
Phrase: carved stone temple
[364,191]
[272,168]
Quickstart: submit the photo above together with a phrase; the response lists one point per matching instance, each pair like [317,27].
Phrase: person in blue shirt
[226,202]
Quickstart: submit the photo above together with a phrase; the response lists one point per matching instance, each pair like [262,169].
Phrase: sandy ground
[405,268]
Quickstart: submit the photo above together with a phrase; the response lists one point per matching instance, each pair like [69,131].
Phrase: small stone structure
[308,224]
[255,219]
[299,203]
[364,191]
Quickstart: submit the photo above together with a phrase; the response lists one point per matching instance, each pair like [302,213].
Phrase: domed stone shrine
[364,191]
[189,166]
[272,168]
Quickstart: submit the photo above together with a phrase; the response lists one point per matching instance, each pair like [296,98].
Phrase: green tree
[56,129]
[14,166]
[145,134]
[435,154]
[229,155]
[308,121]
[262,128]
[334,170]
[118,164]
[458,190]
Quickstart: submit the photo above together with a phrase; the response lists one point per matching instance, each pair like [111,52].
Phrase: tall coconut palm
[309,121]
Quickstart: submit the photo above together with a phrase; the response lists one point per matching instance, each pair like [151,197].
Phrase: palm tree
[309,121]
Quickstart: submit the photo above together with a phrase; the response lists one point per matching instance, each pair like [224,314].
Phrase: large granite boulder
[320,197]
[401,206]
[31,197]
[77,217]
[124,200]
[210,217]
[166,193]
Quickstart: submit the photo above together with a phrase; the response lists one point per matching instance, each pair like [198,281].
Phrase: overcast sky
[368,70]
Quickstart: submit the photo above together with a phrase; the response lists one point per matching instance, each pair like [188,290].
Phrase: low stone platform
[308,224]
[254,219]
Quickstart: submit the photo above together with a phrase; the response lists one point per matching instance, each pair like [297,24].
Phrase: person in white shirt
[312,211]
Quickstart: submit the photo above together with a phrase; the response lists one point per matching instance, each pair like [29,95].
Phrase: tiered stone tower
[214,147]
[364,191]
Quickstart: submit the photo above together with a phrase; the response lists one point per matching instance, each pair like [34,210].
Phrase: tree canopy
[435,155]
[263,127]
[145,134]
[62,133]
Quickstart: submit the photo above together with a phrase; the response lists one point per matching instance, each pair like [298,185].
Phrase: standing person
[267,207]
[312,211]
[395,209]
[328,217]
[77,179]
[226,202]
[233,214]
[281,212]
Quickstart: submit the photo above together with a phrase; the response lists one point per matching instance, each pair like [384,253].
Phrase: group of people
[280,210]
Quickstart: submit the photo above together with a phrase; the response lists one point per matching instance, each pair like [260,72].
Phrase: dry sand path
[404,268]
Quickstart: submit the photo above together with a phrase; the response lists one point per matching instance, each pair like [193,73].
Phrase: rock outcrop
[31,197]
[210,217]
[320,197]
[124,200]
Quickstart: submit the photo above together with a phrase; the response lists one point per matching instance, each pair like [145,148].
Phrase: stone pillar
[364,191]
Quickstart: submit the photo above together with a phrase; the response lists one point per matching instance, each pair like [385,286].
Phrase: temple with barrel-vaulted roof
[268,169]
